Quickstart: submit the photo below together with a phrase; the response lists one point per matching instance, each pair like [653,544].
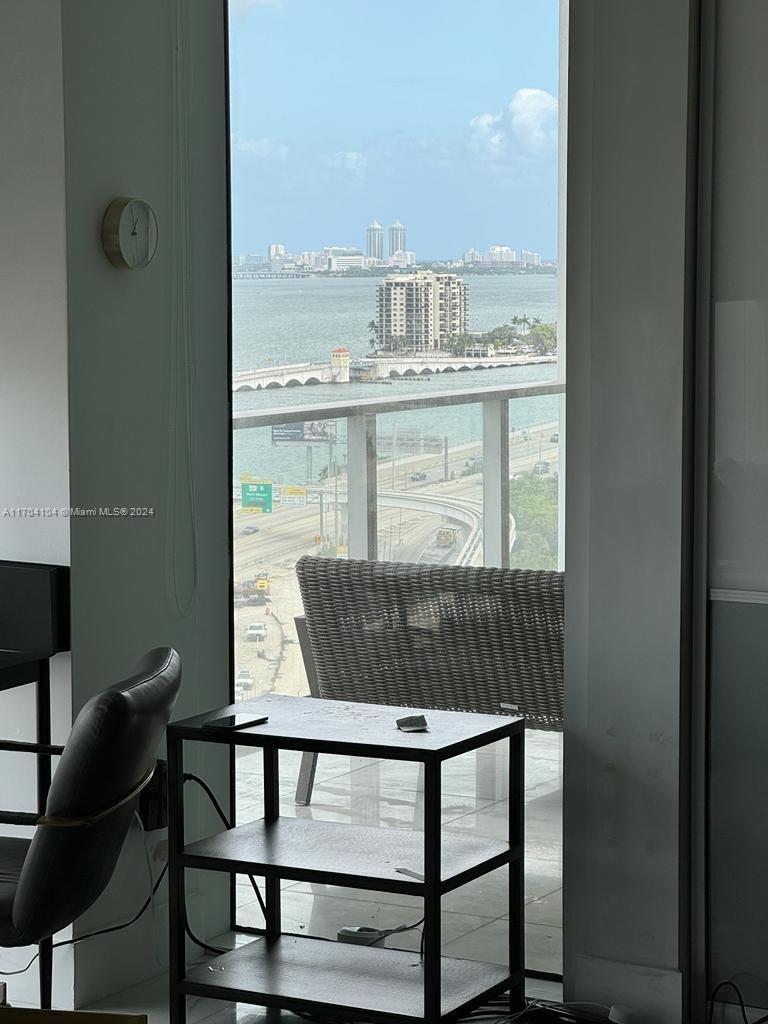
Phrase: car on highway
[250,529]
[256,631]
[554,438]
[541,468]
[418,476]
[474,463]
[244,678]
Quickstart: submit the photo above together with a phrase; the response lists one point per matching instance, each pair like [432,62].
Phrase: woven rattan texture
[460,638]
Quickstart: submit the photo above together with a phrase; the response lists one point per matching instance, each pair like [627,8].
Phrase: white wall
[149,424]
[628,337]
[34,456]
[34,450]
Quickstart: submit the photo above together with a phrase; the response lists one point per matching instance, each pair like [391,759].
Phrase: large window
[394,230]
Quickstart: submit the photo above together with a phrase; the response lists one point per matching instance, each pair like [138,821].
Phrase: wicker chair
[459,638]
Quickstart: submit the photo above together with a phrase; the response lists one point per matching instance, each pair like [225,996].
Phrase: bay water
[300,320]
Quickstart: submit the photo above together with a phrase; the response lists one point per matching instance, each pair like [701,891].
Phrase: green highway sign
[257,496]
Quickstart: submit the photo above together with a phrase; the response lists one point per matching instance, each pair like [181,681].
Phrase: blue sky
[441,113]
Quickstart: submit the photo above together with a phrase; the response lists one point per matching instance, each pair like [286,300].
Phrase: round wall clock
[129,233]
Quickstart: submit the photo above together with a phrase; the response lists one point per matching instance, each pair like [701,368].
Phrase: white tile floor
[388,794]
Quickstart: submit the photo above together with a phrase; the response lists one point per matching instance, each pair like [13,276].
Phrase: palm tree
[525,321]
[373,327]
[535,321]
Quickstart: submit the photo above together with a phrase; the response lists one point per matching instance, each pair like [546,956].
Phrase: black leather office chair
[48,881]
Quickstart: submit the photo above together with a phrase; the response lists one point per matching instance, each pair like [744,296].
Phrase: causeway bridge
[383,367]
[289,376]
[340,369]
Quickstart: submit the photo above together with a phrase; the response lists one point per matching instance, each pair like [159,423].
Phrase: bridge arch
[244,387]
[394,373]
[410,372]
[312,380]
[449,369]
[293,382]
[272,384]
[426,372]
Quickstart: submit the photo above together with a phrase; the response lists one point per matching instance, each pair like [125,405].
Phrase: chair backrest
[110,752]
[454,637]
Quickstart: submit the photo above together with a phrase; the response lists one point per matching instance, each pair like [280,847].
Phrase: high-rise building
[352,261]
[275,250]
[530,259]
[420,310]
[396,238]
[374,241]
[501,254]
[402,258]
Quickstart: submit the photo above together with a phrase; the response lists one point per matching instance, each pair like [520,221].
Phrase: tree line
[521,334]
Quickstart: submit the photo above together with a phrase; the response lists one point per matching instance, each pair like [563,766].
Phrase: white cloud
[263,149]
[526,128]
[351,161]
[533,114]
[279,167]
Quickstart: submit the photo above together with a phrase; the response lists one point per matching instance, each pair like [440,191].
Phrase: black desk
[34,625]
[18,669]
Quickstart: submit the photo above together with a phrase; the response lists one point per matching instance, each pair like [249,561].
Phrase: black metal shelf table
[356,982]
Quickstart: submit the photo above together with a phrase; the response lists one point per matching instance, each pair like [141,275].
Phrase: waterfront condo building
[420,310]
[396,238]
[374,241]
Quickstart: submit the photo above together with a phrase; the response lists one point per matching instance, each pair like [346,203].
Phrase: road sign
[293,496]
[257,496]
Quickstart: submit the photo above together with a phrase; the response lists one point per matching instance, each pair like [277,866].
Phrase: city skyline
[373,253]
[461,148]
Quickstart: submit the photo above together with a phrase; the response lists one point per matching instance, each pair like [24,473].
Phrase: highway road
[405,534]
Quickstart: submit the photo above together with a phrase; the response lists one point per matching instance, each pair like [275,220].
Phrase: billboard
[257,496]
[308,432]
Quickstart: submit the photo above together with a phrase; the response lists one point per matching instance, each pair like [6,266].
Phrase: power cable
[737,990]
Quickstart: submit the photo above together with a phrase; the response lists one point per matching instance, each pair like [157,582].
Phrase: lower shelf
[302,973]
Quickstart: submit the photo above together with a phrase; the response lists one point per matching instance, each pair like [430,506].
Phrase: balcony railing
[489,523]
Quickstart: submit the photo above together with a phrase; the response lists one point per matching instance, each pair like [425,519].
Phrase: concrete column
[631,167]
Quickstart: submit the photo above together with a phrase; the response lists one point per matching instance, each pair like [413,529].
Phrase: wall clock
[129,233]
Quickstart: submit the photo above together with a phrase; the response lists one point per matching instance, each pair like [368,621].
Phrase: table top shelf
[382,859]
[295,971]
[332,726]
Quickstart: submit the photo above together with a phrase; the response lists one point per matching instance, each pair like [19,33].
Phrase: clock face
[129,233]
